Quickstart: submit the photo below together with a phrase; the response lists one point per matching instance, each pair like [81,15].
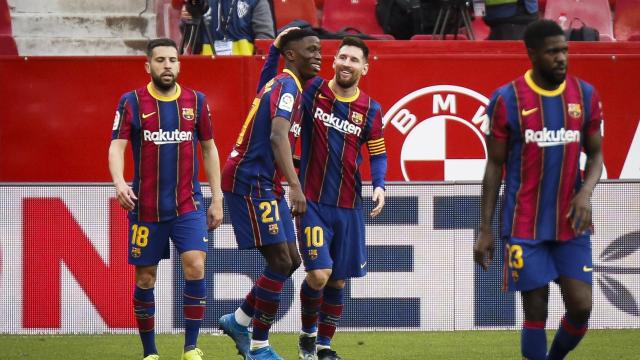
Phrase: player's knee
[580,312]
[194,271]
[145,280]
[318,279]
[281,265]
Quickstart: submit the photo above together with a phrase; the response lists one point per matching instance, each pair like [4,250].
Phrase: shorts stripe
[254,221]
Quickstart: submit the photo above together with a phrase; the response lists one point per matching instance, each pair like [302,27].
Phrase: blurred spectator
[508,18]
[233,24]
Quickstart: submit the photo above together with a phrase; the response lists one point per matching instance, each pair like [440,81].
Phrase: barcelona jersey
[251,169]
[164,132]
[545,131]
[334,129]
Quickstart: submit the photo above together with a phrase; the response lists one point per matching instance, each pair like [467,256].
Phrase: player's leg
[189,234]
[349,254]
[574,262]
[148,244]
[529,268]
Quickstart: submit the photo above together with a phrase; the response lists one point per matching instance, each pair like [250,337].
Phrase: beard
[553,78]
[346,83]
[161,84]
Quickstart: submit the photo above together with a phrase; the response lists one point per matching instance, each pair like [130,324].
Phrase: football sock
[244,313]
[310,300]
[144,309]
[330,312]
[533,340]
[194,304]
[267,296]
[567,338]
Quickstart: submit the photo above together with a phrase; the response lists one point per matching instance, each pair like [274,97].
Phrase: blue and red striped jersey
[164,133]
[333,131]
[545,131]
[251,168]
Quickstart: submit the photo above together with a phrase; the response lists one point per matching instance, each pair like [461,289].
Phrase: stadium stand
[285,11]
[438,37]
[593,13]
[626,25]
[7,43]
[82,27]
[358,14]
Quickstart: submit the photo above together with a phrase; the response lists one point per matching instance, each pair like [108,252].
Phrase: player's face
[164,67]
[307,58]
[550,60]
[349,65]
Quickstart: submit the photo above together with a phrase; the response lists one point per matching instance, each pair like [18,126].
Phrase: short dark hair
[295,35]
[537,31]
[152,44]
[357,42]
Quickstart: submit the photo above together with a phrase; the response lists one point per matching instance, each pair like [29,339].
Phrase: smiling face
[350,65]
[163,66]
[306,56]
[550,59]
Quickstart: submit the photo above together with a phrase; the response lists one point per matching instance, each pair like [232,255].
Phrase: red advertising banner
[58,112]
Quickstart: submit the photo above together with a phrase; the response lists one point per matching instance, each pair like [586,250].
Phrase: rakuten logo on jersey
[162,137]
[332,121]
[546,137]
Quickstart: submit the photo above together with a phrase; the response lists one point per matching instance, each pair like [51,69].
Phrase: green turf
[599,344]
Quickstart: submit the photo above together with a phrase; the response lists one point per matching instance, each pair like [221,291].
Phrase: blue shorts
[330,237]
[149,241]
[531,264]
[259,221]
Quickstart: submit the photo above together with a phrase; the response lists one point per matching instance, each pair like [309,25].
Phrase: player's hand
[483,249]
[580,212]
[125,196]
[378,199]
[298,201]
[214,214]
[276,42]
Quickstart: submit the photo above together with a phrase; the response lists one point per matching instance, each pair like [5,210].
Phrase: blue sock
[310,301]
[533,340]
[567,338]
[330,313]
[267,293]
[194,304]
[144,308]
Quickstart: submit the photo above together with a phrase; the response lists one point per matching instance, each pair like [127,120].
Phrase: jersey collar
[541,91]
[294,78]
[152,91]
[342,98]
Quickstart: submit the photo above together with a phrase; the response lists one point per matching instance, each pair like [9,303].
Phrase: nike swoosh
[587,269]
[363,265]
[144,116]
[205,239]
[322,96]
[528,112]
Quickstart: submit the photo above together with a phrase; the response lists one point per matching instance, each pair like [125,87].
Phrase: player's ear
[147,67]
[289,54]
[365,69]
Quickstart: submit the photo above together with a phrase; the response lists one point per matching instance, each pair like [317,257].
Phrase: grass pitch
[481,345]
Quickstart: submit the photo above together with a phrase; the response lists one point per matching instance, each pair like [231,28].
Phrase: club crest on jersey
[357,118]
[313,254]
[436,134]
[136,252]
[515,275]
[273,229]
[574,110]
[188,114]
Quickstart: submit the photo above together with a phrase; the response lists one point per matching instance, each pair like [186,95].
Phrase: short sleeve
[283,99]
[498,121]
[122,122]
[205,124]
[595,120]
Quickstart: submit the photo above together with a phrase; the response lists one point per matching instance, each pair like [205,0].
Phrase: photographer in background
[234,24]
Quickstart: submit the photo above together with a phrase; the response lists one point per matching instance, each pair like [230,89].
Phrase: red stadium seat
[437,37]
[627,19]
[285,11]
[594,13]
[5,18]
[358,14]
[480,29]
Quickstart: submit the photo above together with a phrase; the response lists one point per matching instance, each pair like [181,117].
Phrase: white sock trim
[242,318]
[257,344]
[314,334]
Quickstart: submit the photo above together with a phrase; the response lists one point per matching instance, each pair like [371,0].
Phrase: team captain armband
[376,147]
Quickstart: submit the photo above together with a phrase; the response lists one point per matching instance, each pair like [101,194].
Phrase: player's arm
[580,206]
[284,161]
[378,163]
[496,156]
[212,168]
[124,193]
[270,67]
